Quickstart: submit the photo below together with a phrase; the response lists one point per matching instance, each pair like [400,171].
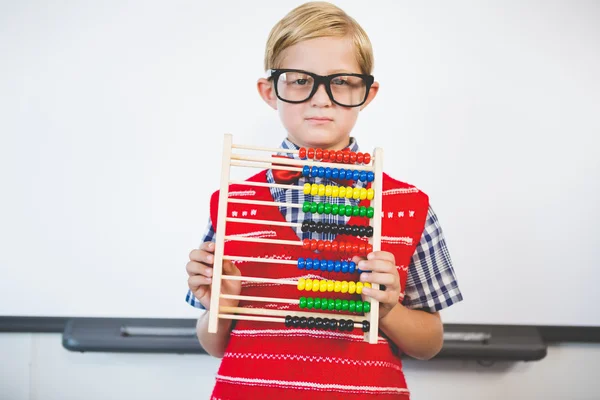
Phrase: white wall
[37,367]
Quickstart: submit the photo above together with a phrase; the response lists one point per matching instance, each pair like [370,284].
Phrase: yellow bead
[370,194]
[363,193]
[344,287]
[328,191]
[301,284]
[321,190]
[334,191]
[307,188]
[314,189]
[323,285]
[367,284]
[308,284]
[317,286]
[330,286]
[342,192]
[349,192]
[337,286]
[351,287]
[359,286]
[356,194]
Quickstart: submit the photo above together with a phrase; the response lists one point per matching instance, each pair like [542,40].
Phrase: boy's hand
[382,267]
[200,272]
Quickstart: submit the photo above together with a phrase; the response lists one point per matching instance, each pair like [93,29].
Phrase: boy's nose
[321,98]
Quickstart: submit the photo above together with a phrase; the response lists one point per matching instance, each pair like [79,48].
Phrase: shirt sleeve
[209,236]
[431,283]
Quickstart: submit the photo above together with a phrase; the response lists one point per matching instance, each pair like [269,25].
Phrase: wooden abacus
[372,167]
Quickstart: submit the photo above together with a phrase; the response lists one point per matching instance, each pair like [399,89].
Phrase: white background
[112,115]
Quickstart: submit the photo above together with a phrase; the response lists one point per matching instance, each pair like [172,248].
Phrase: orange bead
[302,152]
[362,249]
[320,245]
[325,155]
[339,156]
[313,244]
[318,154]
[327,246]
[346,157]
[352,157]
[334,246]
[311,153]
[306,244]
[367,158]
[355,249]
[369,248]
[341,247]
[360,157]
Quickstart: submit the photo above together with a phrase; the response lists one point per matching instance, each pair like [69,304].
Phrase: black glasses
[297,86]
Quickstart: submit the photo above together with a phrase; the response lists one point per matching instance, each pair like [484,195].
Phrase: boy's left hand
[382,270]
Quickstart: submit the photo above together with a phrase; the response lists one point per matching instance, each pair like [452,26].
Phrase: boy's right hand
[200,273]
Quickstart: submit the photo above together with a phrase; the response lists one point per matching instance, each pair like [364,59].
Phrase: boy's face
[318,122]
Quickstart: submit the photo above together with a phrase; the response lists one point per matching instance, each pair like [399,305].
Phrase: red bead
[355,249]
[302,153]
[367,158]
[352,157]
[361,249]
[339,156]
[306,244]
[321,245]
[325,155]
[313,244]
[311,153]
[360,158]
[318,154]
[328,246]
[341,247]
[349,248]
[369,248]
[346,157]
[334,246]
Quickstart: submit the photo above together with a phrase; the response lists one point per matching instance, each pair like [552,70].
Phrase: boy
[318,110]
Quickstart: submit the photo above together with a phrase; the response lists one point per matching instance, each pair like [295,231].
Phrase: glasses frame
[319,80]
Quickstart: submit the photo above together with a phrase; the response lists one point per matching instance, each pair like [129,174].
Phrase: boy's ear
[372,93]
[267,92]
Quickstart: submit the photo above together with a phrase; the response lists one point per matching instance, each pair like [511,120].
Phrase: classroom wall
[37,367]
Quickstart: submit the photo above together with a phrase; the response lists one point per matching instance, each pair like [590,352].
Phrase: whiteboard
[113,113]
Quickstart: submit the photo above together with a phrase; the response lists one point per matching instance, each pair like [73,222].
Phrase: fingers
[382,255]
[196,281]
[229,268]
[202,256]
[388,280]
[208,246]
[380,295]
[377,266]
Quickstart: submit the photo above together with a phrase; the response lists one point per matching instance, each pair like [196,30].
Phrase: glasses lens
[294,86]
[348,90]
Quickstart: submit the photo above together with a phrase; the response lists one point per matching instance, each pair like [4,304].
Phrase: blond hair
[315,20]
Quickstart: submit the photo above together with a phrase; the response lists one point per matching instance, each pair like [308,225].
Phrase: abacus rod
[269,185]
[267,149]
[257,298]
[262,319]
[262,240]
[264,203]
[291,161]
[264,166]
[280,313]
[262,222]
[260,260]
[258,279]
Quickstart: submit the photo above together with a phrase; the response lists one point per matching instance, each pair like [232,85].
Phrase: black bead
[369,231]
[288,320]
[366,326]
[303,322]
[319,227]
[355,230]
[326,228]
[310,323]
[333,229]
[333,324]
[305,225]
[350,325]
[295,321]
[362,231]
[325,324]
[311,226]
[319,323]
[348,230]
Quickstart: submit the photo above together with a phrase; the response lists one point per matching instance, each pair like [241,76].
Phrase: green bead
[348,210]
[344,305]
[335,209]
[309,303]
[366,306]
[313,207]
[324,304]
[355,211]
[302,302]
[320,208]
[331,305]
[352,306]
[362,211]
[359,306]
[327,208]
[317,303]
[306,206]
[338,304]
[370,212]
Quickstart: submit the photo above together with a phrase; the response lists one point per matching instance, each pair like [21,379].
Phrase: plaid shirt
[431,283]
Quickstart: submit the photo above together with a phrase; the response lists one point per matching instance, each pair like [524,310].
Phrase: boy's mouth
[318,120]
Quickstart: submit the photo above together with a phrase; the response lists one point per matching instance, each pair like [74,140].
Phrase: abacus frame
[229,158]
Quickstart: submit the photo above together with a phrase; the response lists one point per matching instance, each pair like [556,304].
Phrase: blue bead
[314,172]
[335,173]
[327,172]
[359,271]
[356,175]
[344,266]
[342,173]
[309,264]
[338,266]
[330,266]
[323,265]
[363,176]
[321,172]
[370,176]
[351,267]
[306,170]
[301,263]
